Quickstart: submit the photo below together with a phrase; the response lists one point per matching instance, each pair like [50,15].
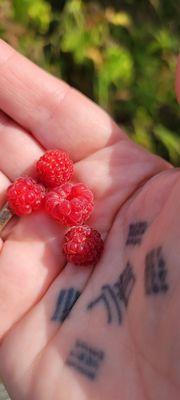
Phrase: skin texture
[137,358]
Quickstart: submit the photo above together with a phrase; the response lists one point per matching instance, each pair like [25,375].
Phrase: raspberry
[25,196]
[70,204]
[83,245]
[54,168]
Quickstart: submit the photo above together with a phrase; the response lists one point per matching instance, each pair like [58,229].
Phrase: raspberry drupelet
[24,196]
[70,204]
[54,168]
[83,245]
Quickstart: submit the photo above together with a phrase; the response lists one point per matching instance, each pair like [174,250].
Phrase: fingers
[18,150]
[18,153]
[57,115]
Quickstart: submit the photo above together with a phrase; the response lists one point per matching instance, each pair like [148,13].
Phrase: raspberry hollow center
[70,204]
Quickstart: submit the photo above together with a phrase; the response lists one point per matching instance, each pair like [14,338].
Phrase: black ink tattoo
[125,284]
[65,302]
[116,295]
[136,232]
[85,359]
[155,272]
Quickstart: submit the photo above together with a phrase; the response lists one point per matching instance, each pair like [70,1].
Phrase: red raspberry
[25,196]
[54,168]
[70,204]
[83,245]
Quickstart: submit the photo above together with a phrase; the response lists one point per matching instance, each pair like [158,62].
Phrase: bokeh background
[122,54]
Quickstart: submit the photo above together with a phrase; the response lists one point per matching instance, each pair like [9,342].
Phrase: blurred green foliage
[122,54]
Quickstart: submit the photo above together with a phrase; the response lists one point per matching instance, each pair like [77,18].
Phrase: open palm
[121,338]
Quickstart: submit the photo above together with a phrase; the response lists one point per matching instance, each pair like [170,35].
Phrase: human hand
[121,338]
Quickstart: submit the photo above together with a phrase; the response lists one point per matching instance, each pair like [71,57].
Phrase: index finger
[56,114]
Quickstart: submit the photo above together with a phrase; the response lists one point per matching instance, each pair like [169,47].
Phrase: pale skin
[141,354]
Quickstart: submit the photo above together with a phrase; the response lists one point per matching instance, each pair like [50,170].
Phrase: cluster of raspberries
[70,204]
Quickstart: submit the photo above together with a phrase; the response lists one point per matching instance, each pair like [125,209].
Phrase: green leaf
[20,8]
[118,18]
[118,66]
[35,11]
[142,126]
[171,141]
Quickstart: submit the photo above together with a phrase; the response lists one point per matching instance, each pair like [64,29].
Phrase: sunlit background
[122,54]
